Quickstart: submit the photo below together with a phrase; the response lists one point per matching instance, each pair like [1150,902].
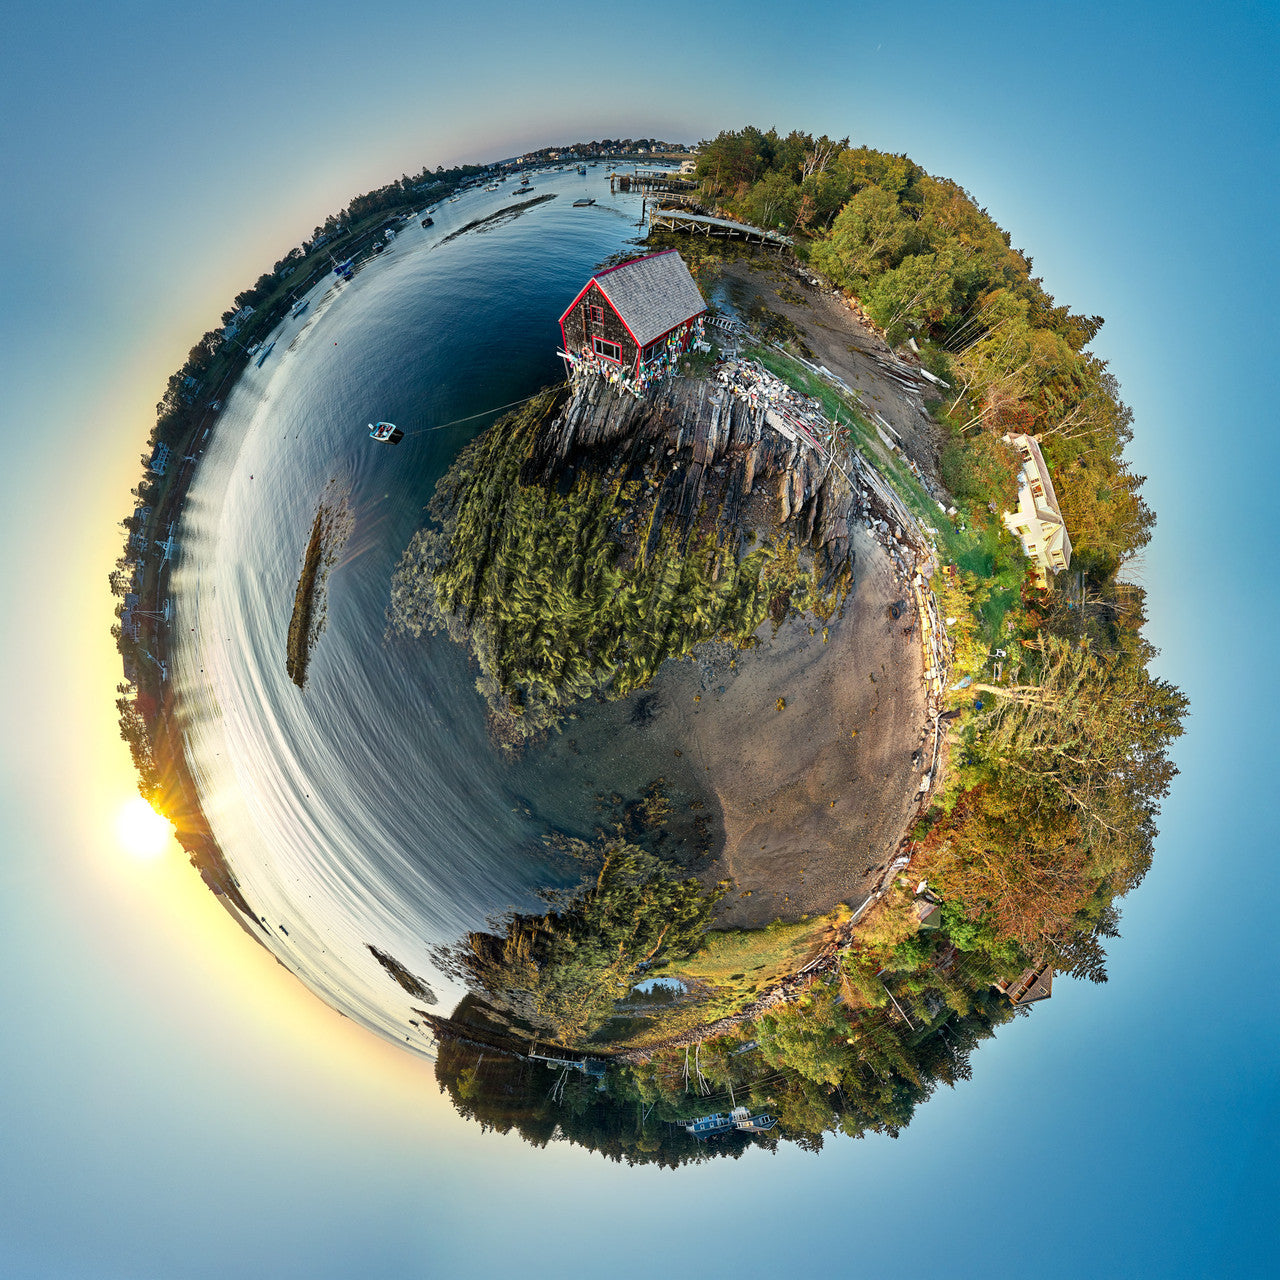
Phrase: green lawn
[740,963]
[733,968]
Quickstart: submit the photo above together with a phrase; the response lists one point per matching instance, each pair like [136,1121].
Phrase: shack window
[595,314]
[651,350]
[610,350]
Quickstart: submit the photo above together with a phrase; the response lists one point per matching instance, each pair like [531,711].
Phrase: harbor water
[371,809]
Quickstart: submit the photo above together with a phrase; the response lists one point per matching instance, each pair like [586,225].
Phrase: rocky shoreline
[810,731]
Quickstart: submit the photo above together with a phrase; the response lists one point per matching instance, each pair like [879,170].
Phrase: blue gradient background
[172,1103]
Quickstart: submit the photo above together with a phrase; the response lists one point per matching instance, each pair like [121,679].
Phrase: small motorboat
[385,432]
[265,354]
[428,221]
[582,204]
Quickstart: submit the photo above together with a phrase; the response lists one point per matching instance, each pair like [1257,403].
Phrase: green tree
[913,295]
[866,237]
[773,201]
[562,972]
[809,1036]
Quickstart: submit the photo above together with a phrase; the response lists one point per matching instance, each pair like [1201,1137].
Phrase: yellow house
[1038,523]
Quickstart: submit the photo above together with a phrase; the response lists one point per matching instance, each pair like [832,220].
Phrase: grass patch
[298,646]
[746,961]
[732,968]
[329,534]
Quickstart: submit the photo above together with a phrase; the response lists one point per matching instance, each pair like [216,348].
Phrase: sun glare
[141,830]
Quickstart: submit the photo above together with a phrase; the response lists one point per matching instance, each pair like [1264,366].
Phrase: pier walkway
[702,224]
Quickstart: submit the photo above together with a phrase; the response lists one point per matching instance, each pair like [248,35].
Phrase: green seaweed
[563,593]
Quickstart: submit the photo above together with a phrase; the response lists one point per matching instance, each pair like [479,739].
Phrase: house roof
[925,913]
[1040,988]
[1030,985]
[652,294]
[1044,503]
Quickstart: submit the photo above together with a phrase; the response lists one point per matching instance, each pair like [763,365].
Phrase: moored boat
[385,432]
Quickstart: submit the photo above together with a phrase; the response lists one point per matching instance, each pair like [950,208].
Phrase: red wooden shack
[635,316]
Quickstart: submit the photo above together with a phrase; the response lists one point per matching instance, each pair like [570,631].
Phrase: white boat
[265,354]
[299,307]
[385,432]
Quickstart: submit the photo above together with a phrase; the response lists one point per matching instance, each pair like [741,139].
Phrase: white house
[1038,522]
[236,321]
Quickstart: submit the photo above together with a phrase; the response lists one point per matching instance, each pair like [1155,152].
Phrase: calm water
[371,808]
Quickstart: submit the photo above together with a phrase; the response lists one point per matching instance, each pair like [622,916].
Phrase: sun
[141,830]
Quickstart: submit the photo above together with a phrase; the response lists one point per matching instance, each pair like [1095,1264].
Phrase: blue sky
[173,1104]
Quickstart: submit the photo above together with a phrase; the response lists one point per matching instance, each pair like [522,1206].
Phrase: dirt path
[840,341]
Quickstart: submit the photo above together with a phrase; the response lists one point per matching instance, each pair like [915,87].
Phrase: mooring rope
[421,431]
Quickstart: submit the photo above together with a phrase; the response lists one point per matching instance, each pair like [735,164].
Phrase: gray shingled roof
[653,294]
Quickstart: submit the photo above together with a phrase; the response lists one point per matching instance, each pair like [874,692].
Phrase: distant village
[609,148]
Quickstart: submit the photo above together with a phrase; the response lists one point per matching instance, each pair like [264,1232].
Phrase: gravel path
[843,343]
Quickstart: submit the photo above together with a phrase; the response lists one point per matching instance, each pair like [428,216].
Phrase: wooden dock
[651,180]
[671,219]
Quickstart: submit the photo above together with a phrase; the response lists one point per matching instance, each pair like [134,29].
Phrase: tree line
[925,261]
[1059,767]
